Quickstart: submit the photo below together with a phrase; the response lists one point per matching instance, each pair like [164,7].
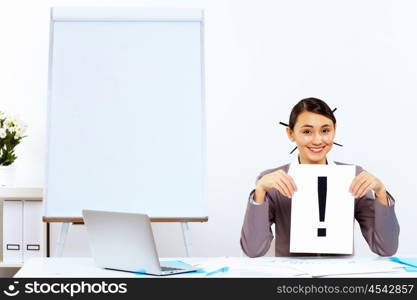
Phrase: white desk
[239,267]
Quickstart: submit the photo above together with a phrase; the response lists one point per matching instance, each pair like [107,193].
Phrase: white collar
[295,161]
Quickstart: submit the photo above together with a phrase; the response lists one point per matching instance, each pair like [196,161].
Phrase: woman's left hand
[365,182]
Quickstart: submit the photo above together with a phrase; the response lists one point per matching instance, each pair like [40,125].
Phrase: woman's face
[314,134]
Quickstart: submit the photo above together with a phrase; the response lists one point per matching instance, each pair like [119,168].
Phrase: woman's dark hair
[312,105]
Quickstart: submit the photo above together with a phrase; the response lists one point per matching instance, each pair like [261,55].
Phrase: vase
[7,174]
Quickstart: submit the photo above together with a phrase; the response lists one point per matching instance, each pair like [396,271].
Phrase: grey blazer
[378,223]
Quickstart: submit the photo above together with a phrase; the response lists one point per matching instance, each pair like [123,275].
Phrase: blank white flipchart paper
[339,209]
[126,109]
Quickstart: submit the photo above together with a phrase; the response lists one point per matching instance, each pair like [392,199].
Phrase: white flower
[12,125]
[2,133]
[8,122]
[20,131]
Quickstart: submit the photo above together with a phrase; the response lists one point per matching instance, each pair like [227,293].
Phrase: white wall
[261,58]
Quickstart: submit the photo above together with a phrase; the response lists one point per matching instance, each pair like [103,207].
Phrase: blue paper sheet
[221,270]
[183,264]
[410,262]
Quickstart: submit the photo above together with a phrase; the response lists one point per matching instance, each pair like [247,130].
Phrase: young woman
[312,127]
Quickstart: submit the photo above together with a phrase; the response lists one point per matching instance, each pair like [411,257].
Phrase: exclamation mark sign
[322,191]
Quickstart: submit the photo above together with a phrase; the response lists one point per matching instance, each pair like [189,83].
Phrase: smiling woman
[312,126]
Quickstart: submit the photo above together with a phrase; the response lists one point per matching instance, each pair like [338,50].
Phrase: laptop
[124,242]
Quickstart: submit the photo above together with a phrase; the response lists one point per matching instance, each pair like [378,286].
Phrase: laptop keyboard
[169,269]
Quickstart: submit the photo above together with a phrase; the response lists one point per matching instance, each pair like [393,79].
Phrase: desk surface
[238,267]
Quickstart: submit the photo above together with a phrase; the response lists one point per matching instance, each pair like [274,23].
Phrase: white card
[308,233]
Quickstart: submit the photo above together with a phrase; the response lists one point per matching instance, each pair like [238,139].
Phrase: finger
[357,182]
[291,180]
[280,189]
[288,184]
[281,178]
[283,189]
[356,186]
[365,190]
[356,179]
[361,188]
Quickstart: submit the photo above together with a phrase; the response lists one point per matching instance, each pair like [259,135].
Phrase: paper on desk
[268,270]
[334,233]
[249,267]
[327,267]
[406,261]
[212,266]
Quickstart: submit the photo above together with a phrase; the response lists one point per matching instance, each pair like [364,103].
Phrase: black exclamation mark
[322,190]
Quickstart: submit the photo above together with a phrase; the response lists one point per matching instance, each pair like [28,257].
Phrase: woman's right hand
[279,180]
